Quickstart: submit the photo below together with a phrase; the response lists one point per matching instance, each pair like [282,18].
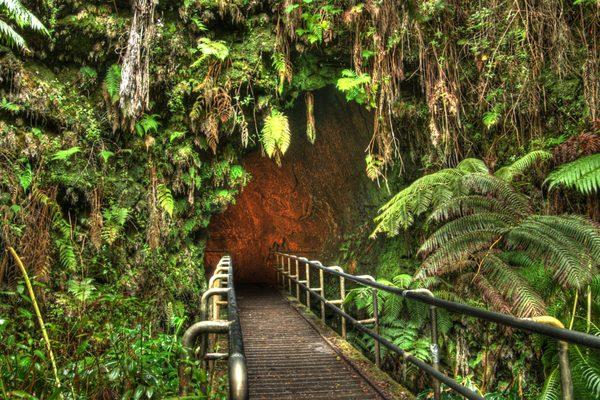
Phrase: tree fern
[483,217]
[582,175]
[16,12]
[275,136]
[524,163]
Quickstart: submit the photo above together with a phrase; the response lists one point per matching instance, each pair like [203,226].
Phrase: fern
[216,49]
[483,217]
[354,86]
[275,136]
[63,155]
[16,12]
[8,106]
[524,163]
[64,244]
[416,199]
[112,82]
[165,199]
[374,166]
[114,219]
[147,124]
[582,175]
[551,390]
[586,372]
[284,70]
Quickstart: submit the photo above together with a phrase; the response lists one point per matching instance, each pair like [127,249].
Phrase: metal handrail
[546,326]
[210,323]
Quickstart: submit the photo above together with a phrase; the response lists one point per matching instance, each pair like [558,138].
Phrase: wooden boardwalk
[287,358]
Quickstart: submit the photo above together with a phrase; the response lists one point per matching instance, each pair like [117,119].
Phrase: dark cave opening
[318,193]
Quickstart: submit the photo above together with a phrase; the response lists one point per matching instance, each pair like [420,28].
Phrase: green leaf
[106,154]
[583,175]
[211,49]
[8,106]
[26,177]
[165,199]
[65,154]
[176,135]
[276,136]
[491,118]
[112,82]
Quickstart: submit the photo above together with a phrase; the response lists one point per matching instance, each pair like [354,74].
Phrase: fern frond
[574,228]
[374,166]
[489,292]
[112,82]
[471,165]
[165,199]
[524,163]
[62,155]
[544,243]
[466,224]
[454,252]
[582,175]
[275,136]
[10,37]
[551,390]
[525,302]
[401,210]
[586,372]
[284,70]
[22,16]
[460,206]
[485,184]
[147,124]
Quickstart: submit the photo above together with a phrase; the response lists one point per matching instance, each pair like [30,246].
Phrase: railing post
[277,267]
[435,351]
[566,380]
[376,328]
[307,284]
[289,265]
[297,281]
[322,287]
[342,305]
[282,272]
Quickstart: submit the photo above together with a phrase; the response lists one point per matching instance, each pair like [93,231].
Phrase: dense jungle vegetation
[123,127]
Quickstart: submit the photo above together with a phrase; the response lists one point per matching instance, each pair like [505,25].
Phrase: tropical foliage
[13,11]
[124,128]
[582,175]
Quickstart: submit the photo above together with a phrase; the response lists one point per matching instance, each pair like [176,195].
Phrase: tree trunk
[135,79]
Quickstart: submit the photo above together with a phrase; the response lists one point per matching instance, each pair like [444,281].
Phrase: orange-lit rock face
[308,201]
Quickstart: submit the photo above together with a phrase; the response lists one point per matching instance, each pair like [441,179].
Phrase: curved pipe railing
[546,326]
[219,285]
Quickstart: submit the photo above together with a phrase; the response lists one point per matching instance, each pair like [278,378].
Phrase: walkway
[286,356]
